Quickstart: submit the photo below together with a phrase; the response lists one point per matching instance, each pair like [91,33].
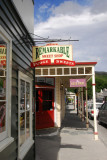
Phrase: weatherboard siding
[21,58]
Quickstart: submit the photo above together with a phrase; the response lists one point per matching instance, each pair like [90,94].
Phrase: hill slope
[101,83]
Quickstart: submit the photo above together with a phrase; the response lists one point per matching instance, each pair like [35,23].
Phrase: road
[102,132]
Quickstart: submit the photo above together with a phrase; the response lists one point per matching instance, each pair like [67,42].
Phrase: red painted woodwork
[44,108]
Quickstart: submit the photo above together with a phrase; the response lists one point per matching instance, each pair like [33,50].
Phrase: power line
[38,39]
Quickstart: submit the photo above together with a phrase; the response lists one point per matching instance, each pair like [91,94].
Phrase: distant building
[101,95]
[105,94]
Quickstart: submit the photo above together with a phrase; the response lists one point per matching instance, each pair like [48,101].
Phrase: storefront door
[44,108]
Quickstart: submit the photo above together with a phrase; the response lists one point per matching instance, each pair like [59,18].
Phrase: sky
[83,20]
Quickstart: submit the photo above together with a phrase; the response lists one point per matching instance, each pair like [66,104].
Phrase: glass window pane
[27,124]
[45,81]
[47,99]
[47,94]
[105,106]
[22,95]
[25,101]
[50,81]
[22,128]
[37,101]
[47,105]
[2,117]
[3,51]
[2,87]
[27,96]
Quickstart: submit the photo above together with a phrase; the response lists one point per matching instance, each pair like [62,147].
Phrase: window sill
[4,143]
[25,149]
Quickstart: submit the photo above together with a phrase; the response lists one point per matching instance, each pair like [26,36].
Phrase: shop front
[62,69]
[49,93]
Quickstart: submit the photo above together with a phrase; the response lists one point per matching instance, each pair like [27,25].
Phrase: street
[102,132]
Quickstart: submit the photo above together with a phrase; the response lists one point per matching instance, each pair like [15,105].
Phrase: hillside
[101,75]
[101,83]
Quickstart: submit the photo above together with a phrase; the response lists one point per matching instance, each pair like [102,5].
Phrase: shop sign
[77,82]
[52,55]
[2,55]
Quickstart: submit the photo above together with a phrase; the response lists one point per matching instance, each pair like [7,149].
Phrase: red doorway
[44,108]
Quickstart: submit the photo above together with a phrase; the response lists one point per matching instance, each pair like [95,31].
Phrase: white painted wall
[26,12]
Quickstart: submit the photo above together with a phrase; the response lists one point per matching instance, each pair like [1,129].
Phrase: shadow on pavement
[71,120]
[48,141]
[47,145]
[70,146]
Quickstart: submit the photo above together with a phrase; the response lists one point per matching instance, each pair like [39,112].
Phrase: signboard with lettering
[52,55]
[77,82]
[2,55]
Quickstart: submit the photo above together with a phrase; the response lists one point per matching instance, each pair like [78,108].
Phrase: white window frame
[22,151]
[5,137]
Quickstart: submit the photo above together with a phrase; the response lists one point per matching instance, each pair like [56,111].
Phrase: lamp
[61,87]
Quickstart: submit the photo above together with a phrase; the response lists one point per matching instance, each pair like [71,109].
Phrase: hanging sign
[77,82]
[52,55]
[2,55]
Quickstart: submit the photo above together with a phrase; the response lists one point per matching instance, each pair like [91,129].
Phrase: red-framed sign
[52,55]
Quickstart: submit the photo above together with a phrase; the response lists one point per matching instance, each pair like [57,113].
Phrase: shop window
[5,89]
[3,98]
[25,114]
[37,101]
[47,100]
[45,81]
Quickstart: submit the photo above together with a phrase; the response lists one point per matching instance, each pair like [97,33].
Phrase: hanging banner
[52,55]
[77,82]
[64,62]
[2,55]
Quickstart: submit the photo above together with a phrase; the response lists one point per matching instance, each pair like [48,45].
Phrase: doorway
[44,108]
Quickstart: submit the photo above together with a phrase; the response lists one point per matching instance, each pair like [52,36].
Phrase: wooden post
[75,102]
[79,103]
[94,104]
[87,122]
[82,104]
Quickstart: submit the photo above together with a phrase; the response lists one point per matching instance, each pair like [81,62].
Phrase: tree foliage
[101,83]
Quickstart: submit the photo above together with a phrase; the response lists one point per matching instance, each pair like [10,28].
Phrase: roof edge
[85,63]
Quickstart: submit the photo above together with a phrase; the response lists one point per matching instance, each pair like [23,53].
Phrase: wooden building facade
[17,118]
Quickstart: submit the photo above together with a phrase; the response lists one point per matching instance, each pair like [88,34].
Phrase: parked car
[91,110]
[102,115]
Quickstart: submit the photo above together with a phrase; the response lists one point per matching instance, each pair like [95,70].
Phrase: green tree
[101,83]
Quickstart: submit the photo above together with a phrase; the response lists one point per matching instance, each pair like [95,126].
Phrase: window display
[2,87]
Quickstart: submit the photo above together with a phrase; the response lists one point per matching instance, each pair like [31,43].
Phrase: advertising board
[52,55]
[77,82]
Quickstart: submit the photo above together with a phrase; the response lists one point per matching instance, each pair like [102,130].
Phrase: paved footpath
[72,142]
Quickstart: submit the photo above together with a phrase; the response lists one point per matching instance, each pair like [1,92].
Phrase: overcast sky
[83,20]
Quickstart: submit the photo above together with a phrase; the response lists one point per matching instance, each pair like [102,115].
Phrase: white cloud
[86,23]
[43,7]
[67,8]
[99,6]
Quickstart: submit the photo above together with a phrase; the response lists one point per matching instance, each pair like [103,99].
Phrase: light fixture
[62,85]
